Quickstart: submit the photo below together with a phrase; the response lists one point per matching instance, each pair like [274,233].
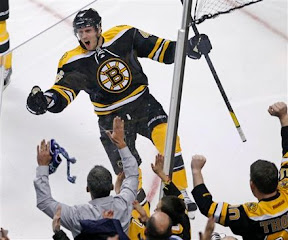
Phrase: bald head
[162,221]
[158,226]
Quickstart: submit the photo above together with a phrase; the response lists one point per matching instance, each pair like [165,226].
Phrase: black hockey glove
[36,101]
[198,45]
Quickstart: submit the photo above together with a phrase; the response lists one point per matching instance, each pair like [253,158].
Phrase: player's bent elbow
[56,109]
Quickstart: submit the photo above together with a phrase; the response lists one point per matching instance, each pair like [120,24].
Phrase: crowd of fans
[110,217]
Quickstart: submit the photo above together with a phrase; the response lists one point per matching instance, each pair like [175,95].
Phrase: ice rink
[249,54]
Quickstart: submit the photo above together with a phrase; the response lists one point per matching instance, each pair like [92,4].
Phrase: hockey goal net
[205,9]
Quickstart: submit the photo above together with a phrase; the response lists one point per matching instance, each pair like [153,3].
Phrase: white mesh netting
[205,9]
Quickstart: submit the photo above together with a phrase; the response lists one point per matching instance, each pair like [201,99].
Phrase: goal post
[176,93]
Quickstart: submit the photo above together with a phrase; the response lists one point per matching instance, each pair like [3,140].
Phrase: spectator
[5,55]
[265,219]
[103,229]
[158,226]
[99,184]
[172,204]
[174,207]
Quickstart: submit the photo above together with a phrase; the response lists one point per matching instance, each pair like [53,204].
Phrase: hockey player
[5,58]
[266,219]
[106,67]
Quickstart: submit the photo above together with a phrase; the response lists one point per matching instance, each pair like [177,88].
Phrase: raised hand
[279,109]
[117,136]
[208,230]
[198,162]
[143,218]
[108,214]
[56,219]
[119,181]
[43,153]
[4,234]
[157,167]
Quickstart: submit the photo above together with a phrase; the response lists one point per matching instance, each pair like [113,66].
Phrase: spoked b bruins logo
[114,75]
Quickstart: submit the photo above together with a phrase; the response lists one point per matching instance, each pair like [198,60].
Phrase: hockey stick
[220,87]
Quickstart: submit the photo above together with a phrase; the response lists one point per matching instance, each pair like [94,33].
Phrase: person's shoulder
[81,210]
[116,29]
[175,237]
[283,178]
[72,54]
[256,210]
[251,208]
[115,32]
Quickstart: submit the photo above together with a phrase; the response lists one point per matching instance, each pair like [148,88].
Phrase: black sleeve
[171,189]
[153,47]
[283,172]
[60,235]
[233,216]
[203,198]
[64,91]
[284,135]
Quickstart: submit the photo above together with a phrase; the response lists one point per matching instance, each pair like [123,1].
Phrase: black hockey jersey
[266,219]
[111,75]
[182,230]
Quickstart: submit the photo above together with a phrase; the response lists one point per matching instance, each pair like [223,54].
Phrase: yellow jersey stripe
[73,55]
[114,33]
[157,44]
[111,108]
[161,58]
[4,38]
[65,92]
[135,92]
[212,209]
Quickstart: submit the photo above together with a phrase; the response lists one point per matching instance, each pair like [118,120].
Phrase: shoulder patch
[144,34]
[284,184]
[59,76]
[251,206]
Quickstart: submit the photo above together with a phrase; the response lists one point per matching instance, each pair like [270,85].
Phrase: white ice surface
[250,57]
